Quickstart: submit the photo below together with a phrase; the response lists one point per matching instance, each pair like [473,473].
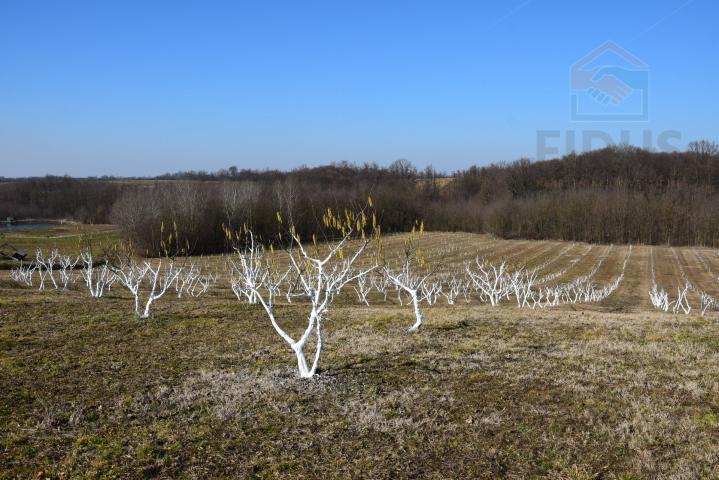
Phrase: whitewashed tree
[707,303]
[96,278]
[46,267]
[452,287]
[148,280]
[248,272]
[491,280]
[363,287]
[321,270]
[431,289]
[682,302]
[381,283]
[522,283]
[24,273]
[67,265]
[191,281]
[407,277]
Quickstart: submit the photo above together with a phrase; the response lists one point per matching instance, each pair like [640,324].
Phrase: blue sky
[142,88]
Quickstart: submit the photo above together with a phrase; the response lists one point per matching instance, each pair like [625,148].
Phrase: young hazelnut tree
[407,277]
[319,270]
[148,280]
[96,273]
[96,278]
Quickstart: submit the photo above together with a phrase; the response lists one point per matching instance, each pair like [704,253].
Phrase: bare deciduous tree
[407,278]
[321,270]
[97,278]
[238,201]
[147,280]
[286,194]
[156,277]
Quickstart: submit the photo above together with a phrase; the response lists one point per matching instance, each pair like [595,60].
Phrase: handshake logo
[610,84]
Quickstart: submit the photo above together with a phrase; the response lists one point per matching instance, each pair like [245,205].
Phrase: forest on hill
[618,194]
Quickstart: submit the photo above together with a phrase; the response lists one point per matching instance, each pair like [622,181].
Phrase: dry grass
[206,389]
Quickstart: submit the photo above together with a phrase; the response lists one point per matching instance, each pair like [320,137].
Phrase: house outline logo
[614,89]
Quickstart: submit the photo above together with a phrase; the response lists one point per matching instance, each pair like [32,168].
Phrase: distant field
[206,389]
[65,238]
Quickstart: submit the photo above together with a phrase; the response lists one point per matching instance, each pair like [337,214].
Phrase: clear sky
[147,87]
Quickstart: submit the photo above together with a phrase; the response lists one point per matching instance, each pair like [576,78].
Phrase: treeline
[681,215]
[201,210]
[617,195]
[84,200]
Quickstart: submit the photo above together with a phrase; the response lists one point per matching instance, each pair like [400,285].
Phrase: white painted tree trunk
[411,284]
[148,305]
[137,303]
[419,318]
[304,370]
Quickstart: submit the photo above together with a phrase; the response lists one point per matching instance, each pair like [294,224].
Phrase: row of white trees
[146,280]
[318,273]
[314,272]
[662,300]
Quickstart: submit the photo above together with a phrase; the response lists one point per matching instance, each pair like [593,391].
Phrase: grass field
[66,238]
[206,389]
